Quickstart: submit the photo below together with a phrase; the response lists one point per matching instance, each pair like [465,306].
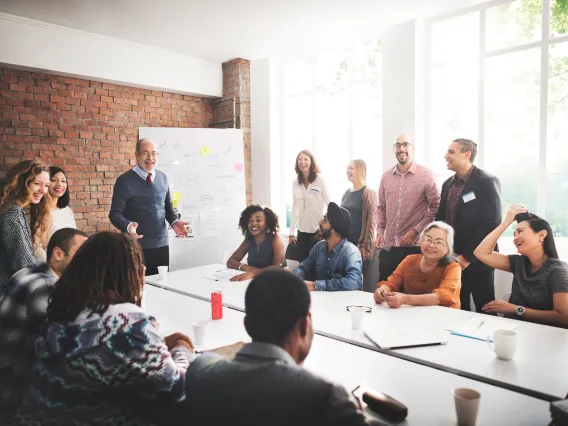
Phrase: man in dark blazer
[265,383]
[471,204]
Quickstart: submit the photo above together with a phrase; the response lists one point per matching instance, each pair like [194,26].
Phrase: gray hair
[449,240]
[141,141]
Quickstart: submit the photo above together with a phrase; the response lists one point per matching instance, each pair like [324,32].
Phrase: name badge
[470,196]
[315,191]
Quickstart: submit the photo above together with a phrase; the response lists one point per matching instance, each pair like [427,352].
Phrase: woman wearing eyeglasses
[430,278]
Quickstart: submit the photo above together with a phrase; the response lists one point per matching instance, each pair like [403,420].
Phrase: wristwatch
[520,310]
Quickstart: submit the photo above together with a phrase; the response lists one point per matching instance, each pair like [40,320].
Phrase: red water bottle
[217,305]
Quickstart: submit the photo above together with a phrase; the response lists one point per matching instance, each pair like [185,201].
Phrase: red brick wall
[87,128]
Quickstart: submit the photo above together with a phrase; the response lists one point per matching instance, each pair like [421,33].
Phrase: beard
[325,234]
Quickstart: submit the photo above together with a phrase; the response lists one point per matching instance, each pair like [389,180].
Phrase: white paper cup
[200,329]
[504,344]
[163,271]
[358,316]
[467,406]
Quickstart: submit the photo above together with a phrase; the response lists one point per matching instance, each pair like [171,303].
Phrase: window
[332,107]
[487,83]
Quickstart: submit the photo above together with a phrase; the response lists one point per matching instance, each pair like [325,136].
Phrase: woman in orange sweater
[430,278]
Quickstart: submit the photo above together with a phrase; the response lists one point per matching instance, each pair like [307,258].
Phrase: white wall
[36,45]
[265,134]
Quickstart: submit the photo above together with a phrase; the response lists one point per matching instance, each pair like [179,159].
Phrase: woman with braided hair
[101,358]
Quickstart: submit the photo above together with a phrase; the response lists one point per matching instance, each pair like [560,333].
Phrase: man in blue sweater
[141,205]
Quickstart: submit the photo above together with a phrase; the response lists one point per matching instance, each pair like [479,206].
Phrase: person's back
[98,369]
[263,385]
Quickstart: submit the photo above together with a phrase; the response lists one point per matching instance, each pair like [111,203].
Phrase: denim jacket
[336,270]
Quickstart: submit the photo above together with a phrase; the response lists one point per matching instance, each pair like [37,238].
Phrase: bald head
[403,149]
[146,154]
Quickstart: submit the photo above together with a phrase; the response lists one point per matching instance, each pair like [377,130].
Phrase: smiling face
[57,185]
[257,224]
[147,156]
[434,245]
[325,227]
[39,187]
[526,240]
[352,173]
[455,158]
[403,149]
[304,163]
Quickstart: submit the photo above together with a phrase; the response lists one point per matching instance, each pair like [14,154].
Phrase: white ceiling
[221,30]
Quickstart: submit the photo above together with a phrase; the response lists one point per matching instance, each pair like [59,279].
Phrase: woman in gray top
[361,203]
[24,188]
[540,279]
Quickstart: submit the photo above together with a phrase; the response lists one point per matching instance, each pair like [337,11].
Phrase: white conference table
[425,391]
[540,366]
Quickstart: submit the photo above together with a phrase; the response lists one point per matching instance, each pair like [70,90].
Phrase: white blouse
[308,205]
[60,218]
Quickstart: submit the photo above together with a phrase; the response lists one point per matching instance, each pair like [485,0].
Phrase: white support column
[400,102]
[265,134]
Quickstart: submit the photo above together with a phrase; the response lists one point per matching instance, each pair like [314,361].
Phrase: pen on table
[481,323]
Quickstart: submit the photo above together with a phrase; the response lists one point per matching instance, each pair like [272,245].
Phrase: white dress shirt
[308,205]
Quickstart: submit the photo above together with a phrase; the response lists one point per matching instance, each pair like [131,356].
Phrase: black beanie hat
[339,219]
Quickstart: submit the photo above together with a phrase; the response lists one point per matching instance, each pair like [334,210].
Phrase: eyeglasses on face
[404,145]
[438,243]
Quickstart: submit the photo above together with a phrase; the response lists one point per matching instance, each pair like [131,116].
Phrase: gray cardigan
[16,250]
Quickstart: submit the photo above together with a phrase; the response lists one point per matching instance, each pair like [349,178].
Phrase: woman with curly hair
[101,358]
[24,189]
[262,244]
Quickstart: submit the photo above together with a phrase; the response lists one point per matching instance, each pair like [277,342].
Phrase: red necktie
[149,178]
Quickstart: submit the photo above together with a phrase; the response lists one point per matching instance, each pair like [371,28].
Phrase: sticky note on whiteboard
[239,167]
[204,150]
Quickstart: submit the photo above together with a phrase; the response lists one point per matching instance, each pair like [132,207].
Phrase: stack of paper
[481,326]
[224,274]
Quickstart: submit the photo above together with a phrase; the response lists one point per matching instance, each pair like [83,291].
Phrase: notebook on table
[398,339]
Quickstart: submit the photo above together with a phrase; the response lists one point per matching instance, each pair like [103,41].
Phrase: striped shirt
[23,311]
[454,194]
[406,201]
[16,250]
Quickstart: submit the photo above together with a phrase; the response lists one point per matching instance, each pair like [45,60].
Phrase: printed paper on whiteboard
[209,224]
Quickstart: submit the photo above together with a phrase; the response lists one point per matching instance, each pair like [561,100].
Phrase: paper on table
[224,274]
[480,327]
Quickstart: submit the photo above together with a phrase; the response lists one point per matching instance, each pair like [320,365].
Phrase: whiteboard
[205,168]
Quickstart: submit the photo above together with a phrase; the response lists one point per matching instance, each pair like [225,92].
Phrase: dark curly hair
[62,201]
[108,269]
[271,219]
[314,168]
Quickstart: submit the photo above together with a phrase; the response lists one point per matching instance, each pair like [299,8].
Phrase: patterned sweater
[103,370]
[22,316]
[16,251]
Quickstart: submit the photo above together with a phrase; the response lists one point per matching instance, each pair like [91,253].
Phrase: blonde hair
[361,168]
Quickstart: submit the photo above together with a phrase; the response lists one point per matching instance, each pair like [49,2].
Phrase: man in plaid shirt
[408,201]
[23,310]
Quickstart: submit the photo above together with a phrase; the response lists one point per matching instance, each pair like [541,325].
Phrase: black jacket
[476,218]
